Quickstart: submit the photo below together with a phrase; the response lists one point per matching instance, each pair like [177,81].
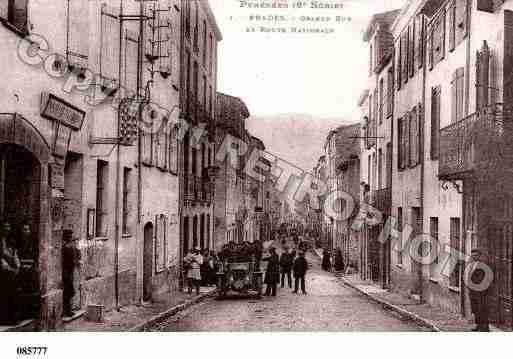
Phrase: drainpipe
[118,170]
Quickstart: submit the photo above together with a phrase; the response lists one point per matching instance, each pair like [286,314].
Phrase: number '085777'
[33,351]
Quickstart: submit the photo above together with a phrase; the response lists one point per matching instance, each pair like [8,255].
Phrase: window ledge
[126,235]
[101,238]
[400,266]
[434,280]
[454,289]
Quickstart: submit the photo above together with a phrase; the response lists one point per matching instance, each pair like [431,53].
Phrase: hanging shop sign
[61,139]
[56,109]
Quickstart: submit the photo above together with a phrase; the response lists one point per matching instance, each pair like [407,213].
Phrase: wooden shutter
[390,91]
[109,43]
[482,76]
[451,22]
[435,122]
[411,48]
[404,39]
[439,39]
[461,20]
[78,32]
[419,38]
[412,138]
[398,66]
[131,67]
[172,156]
[406,125]
[400,153]
[457,91]
[429,48]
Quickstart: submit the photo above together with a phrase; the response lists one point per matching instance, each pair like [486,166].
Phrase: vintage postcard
[255,166]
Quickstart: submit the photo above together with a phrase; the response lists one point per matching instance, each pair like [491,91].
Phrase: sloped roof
[384,19]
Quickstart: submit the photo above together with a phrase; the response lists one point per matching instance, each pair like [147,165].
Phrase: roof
[385,19]
[231,113]
[347,143]
[205,4]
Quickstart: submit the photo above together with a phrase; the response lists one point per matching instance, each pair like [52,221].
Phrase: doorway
[147,261]
[20,180]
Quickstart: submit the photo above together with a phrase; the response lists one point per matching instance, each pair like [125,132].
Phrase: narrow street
[329,306]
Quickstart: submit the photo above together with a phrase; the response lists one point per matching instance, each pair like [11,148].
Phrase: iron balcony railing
[474,142]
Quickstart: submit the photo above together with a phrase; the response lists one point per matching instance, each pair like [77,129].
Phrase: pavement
[424,314]
[328,306]
[138,317]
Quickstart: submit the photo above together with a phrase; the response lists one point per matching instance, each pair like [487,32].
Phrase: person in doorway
[300,267]
[339,261]
[286,262]
[326,260]
[193,261]
[478,290]
[204,268]
[9,269]
[272,274]
[213,265]
[70,261]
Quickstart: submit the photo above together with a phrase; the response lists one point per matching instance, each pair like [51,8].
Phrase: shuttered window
[413,139]
[77,42]
[399,61]
[411,49]
[160,148]
[17,14]
[435,122]
[405,51]
[131,63]
[461,20]
[172,149]
[429,48]
[109,43]
[419,36]
[403,135]
[390,91]
[451,23]
[439,39]
[457,88]
[381,100]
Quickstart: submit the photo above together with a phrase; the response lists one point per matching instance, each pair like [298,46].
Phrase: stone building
[200,35]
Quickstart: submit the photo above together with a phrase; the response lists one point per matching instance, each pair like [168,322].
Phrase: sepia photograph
[259,166]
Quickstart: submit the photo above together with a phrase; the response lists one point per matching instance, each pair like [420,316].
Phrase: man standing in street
[286,261]
[300,268]
[272,274]
[478,290]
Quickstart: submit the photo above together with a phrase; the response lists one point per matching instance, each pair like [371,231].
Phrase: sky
[308,77]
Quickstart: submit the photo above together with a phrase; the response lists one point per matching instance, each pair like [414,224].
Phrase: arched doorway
[20,203]
[147,261]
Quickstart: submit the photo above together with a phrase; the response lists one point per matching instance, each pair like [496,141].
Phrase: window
[433,251]
[126,193]
[438,39]
[196,27]
[403,142]
[390,91]
[210,108]
[435,122]
[454,280]
[205,95]
[210,156]
[172,148]
[419,38]
[160,147]
[399,57]
[195,84]
[146,145]
[451,22]
[17,14]
[369,174]
[404,54]
[457,92]
[460,21]
[101,197]
[414,138]
[211,54]
[381,100]
[400,229]
[411,49]
[205,42]
[380,168]
[131,67]
[77,26]
[369,124]
[371,54]
[187,18]
[109,44]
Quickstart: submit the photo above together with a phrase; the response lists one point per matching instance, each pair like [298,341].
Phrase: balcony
[478,142]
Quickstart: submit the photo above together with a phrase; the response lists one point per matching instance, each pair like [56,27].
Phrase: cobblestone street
[329,306]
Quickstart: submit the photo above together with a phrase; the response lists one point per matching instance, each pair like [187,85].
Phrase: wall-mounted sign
[60,143]
[55,108]
[57,175]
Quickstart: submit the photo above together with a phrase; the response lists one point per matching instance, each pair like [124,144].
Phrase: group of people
[338,265]
[201,269]
[287,264]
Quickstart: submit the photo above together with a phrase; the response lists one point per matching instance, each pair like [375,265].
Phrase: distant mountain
[297,138]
